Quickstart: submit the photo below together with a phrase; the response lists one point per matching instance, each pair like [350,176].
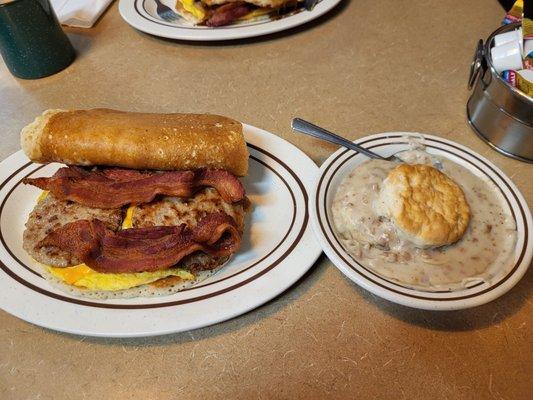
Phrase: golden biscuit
[426,205]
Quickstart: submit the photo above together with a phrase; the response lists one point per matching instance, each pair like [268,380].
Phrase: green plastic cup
[32,43]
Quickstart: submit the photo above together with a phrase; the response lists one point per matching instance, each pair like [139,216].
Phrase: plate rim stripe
[184,301]
[323,192]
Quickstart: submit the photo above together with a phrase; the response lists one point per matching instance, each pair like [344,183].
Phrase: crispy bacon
[228,13]
[144,249]
[113,188]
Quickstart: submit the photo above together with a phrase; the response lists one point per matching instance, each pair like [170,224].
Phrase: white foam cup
[511,36]
[507,56]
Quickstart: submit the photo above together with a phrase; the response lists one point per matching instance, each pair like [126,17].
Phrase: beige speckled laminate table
[369,66]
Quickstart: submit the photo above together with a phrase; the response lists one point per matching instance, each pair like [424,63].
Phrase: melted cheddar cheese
[42,196]
[127,223]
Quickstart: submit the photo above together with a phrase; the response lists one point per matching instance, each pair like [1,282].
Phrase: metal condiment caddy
[499,113]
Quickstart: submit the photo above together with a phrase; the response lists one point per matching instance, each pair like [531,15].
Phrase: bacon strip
[228,13]
[113,188]
[144,249]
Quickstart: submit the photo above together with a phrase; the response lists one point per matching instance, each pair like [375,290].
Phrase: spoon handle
[310,129]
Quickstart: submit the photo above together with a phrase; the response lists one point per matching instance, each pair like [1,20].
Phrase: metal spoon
[315,131]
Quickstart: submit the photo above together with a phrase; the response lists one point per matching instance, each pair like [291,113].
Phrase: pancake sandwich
[146,205]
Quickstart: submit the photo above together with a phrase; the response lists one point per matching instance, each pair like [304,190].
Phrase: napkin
[80,13]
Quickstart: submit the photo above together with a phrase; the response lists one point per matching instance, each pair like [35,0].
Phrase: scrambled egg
[191,7]
[83,276]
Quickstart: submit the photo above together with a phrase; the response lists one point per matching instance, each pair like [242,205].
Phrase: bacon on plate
[114,187]
[144,249]
[228,13]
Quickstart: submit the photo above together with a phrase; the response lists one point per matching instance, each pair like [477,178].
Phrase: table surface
[367,67]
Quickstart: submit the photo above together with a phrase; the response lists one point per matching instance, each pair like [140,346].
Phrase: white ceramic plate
[343,161]
[278,248]
[142,15]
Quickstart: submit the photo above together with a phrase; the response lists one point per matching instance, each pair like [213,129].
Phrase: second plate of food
[190,20]
[491,255]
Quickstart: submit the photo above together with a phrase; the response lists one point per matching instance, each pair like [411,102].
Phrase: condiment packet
[524,81]
[515,13]
[528,53]
[527,20]
[509,76]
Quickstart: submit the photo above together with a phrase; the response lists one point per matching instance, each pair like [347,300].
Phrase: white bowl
[340,163]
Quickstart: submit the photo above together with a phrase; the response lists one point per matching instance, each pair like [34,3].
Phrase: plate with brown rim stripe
[278,248]
[142,15]
[475,288]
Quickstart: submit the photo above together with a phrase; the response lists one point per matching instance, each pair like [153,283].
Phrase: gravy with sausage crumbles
[372,239]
